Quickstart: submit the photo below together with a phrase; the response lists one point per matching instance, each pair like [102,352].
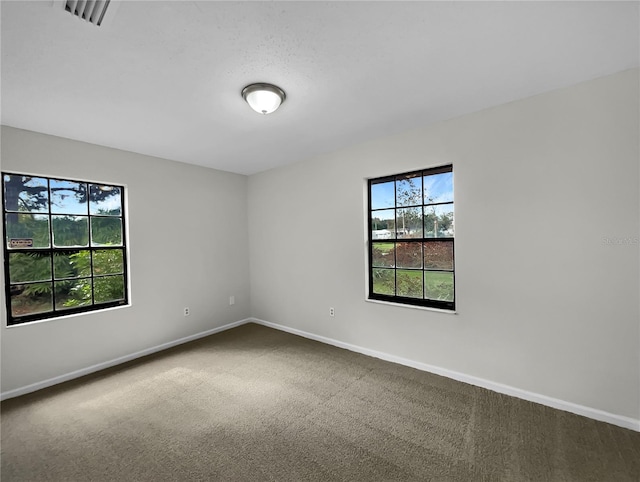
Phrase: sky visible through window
[64,198]
[437,188]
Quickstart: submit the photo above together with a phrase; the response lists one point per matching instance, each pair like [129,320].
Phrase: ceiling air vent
[90,10]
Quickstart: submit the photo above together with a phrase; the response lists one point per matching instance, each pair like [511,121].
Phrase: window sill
[415,307]
[67,316]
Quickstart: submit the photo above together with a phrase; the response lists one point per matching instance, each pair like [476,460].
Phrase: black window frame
[52,250]
[421,302]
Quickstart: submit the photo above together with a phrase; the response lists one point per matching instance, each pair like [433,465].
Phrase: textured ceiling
[164,78]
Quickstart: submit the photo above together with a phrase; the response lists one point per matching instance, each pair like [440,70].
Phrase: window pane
[384,282]
[108,288]
[438,255]
[438,221]
[105,200]
[411,239]
[409,190]
[382,255]
[49,226]
[409,255]
[108,261]
[383,224]
[29,267]
[27,231]
[71,264]
[68,197]
[73,293]
[382,195]
[31,298]
[438,188]
[24,193]
[409,223]
[438,285]
[409,283]
[106,231]
[70,231]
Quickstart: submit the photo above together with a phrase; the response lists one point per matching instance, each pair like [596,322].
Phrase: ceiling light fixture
[263,98]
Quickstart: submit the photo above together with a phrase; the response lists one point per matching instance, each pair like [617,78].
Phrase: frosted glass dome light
[263,98]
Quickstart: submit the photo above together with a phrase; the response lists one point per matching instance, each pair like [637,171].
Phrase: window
[411,238]
[64,249]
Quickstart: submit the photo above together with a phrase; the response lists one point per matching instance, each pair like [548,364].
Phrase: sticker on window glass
[21,243]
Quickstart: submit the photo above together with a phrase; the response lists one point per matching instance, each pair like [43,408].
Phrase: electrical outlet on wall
[332,311]
[186,311]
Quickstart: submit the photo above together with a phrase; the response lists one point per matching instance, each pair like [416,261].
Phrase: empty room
[320,241]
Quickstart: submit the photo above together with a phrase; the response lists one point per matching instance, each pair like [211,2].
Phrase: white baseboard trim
[116,361]
[594,413]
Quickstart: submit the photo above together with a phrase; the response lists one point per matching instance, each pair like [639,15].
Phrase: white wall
[188,247]
[544,304]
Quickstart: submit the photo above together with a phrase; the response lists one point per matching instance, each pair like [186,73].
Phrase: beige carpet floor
[255,404]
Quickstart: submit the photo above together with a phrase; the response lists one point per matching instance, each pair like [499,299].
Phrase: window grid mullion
[51,248]
[395,231]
